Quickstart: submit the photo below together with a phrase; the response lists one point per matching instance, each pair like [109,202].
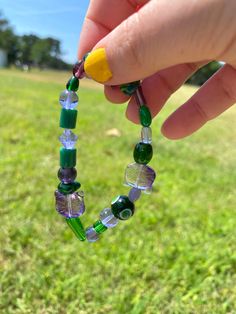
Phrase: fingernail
[96,66]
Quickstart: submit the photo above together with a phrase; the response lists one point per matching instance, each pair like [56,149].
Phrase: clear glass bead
[68,139]
[91,234]
[68,99]
[146,135]
[134,194]
[139,176]
[107,218]
[70,205]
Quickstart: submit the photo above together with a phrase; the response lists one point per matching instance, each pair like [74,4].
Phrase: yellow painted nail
[97,67]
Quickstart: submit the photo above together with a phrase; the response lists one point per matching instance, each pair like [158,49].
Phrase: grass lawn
[176,255]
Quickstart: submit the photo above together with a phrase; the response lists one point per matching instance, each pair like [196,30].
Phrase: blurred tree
[26,42]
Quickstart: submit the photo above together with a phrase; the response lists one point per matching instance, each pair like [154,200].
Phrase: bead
[134,194]
[145,116]
[77,227]
[129,88]
[67,175]
[91,234]
[71,205]
[107,218]
[67,157]
[99,227]
[68,118]
[143,153]
[68,99]
[139,176]
[122,208]
[68,188]
[85,56]
[68,139]
[146,135]
[73,84]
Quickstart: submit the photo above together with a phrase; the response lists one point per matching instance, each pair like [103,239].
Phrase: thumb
[161,34]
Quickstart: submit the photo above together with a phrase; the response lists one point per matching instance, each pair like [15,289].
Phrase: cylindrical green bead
[145,116]
[143,153]
[73,84]
[99,227]
[67,157]
[68,118]
[77,227]
[68,188]
[130,88]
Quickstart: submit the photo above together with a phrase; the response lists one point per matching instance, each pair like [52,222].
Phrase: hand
[163,44]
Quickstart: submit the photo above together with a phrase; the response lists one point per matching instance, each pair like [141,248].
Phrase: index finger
[101,18]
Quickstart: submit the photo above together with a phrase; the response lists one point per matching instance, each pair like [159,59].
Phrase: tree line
[30,50]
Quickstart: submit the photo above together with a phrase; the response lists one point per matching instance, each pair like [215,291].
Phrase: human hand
[163,44]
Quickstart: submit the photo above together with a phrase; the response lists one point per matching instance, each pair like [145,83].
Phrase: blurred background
[176,255]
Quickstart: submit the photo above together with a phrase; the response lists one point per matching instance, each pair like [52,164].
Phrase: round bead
[91,234]
[122,208]
[68,99]
[146,135]
[145,116]
[134,194]
[143,153]
[67,175]
[107,218]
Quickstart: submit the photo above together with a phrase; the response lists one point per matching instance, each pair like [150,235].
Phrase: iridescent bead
[68,99]
[91,234]
[139,176]
[99,227]
[73,84]
[68,139]
[145,116]
[146,135]
[134,194]
[77,227]
[67,175]
[107,218]
[122,208]
[71,205]
[143,153]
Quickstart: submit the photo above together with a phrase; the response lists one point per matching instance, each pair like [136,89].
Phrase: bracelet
[140,177]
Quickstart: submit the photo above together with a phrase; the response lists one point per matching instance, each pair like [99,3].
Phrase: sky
[61,19]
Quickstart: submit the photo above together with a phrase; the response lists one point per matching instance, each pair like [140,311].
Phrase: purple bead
[139,176]
[134,194]
[78,69]
[71,205]
[67,175]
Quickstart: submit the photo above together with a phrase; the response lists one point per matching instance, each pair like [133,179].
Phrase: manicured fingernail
[96,66]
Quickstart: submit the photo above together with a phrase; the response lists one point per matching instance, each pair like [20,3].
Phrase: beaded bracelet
[138,176]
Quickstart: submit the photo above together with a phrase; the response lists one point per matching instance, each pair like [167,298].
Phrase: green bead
[130,88]
[67,157]
[68,118]
[143,153]
[85,56]
[73,84]
[68,188]
[122,208]
[99,227]
[77,227]
[145,116]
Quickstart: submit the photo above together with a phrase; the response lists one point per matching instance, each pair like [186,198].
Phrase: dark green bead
[99,227]
[85,56]
[77,227]
[73,84]
[145,116]
[130,88]
[122,208]
[68,118]
[67,157]
[143,153]
[68,188]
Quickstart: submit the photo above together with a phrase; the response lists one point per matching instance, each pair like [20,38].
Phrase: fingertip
[132,112]
[114,94]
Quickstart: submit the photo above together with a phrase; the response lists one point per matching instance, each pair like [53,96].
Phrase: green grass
[176,255]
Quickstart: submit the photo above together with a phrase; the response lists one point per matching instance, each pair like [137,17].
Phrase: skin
[163,44]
